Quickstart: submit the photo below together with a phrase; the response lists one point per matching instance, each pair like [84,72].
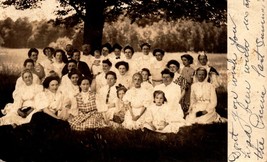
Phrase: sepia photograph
[114,80]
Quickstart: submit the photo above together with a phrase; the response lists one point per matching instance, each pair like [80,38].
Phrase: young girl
[119,112]
[159,119]
[146,84]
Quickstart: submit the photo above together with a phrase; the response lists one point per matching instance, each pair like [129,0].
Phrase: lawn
[26,143]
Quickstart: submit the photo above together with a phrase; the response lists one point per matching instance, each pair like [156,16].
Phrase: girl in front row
[159,119]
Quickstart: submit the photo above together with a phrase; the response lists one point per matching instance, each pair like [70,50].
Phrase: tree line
[177,35]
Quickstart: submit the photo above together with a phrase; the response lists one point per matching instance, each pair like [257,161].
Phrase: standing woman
[33,54]
[59,63]
[123,76]
[187,73]
[83,113]
[47,63]
[24,99]
[203,101]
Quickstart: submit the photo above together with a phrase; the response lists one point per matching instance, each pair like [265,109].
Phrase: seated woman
[83,113]
[123,76]
[159,119]
[203,101]
[54,108]
[39,69]
[136,99]
[147,84]
[24,99]
[47,63]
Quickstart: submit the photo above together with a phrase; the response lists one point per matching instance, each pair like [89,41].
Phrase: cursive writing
[233,68]
[245,21]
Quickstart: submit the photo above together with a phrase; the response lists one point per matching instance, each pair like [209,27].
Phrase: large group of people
[112,87]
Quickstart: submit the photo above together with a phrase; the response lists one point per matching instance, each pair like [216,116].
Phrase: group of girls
[111,88]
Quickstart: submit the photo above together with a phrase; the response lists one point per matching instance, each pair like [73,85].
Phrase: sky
[45,12]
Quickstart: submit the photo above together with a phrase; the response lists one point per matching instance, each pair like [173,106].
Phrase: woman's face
[34,56]
[48,53]
[27,78]
[166,79]
[159,99]
[85,84]
[144,75]
[117,52]
[29,65]
[76,56]
[53,86]
[111,80]
[202,60]
[137,80]
[201,75]
[121,93]
[158,56]
[128,54]
[145,50]
[74,79]
[105,67]
[105,51]
[58,57]
[173,68]
[122,69]
[185,61]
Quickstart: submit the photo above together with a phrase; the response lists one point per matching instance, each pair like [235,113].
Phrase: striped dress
[87,115]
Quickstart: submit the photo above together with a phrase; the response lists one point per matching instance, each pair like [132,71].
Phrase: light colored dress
[125,80]
[203,98]
[157,115]
[57,67]
[155,68]
[148,86]
[55,102]
[21,83]
[137,98]
[84,112]
[48,65]
[24,96]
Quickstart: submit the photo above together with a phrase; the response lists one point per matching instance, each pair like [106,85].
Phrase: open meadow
[191,143]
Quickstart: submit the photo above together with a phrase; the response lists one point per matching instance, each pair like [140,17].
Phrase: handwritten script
[247,81]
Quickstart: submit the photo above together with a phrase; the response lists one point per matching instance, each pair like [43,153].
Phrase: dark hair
[118,64]
[111,73]
[167,71]
[188,57]
[159,92]
[64,57]
[128,47]
[74,71]
[48,79]
[109,47]
[158,50]
[145,44]
[119,88]
[50,48]
[32,50]
[202,69]
[27,61]
[117,46]
[76,50]
[147,70]
[107,62]
[173,62]
[84,78]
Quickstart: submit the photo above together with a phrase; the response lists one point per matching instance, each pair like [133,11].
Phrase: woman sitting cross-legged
[83,112]
[203,101]
[137,99]
[21,111]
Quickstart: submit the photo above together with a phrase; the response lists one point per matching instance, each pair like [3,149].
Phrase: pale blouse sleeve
[74,107]
[213,99]
[193,99]
[41,101]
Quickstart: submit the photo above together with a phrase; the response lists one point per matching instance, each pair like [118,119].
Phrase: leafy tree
[95,12]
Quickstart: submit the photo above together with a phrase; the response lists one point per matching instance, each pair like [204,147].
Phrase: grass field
[197,143]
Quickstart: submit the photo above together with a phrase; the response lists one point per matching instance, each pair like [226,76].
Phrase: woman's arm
[49,112]
[135,118]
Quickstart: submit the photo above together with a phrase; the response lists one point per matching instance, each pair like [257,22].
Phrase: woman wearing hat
[123,77]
